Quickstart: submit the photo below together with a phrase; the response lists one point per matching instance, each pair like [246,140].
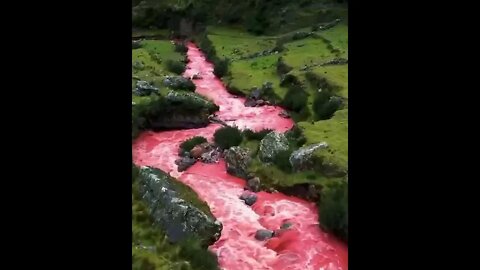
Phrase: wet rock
[263,234]
[237,160]
[302,159]
[253,184]
[260,102]
[179,83]
[169,209]
[197,151]
[197,77]
[144,88]
[249,198]
[256,94]
[271,145]
[286,225]
[284,114]
[250,102]
[184,163]
[212,156]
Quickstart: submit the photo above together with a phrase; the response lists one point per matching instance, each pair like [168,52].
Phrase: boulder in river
[237,160]
[271,145]
[301,159]
[184,163]
[249,198]
[263,234]
[177,213]
[250,102]
[211,156]
[253,184]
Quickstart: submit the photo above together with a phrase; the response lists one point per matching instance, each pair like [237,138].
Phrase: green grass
[150,33]
[333,131]
[234,42]
[154,55]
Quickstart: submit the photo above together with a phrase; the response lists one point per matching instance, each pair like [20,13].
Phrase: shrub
[227,137]
[295,136]
[333,209]
[189,144]
[175,67]
[325,105]
[282,67]
[281,160]
[198,257]
[221,67]
[289,79]
[255,135]
[295,99]
[181,47]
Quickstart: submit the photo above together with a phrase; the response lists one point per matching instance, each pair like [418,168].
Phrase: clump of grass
[227,137]
[189,144]
[255,135]
[325,105]
[175,67]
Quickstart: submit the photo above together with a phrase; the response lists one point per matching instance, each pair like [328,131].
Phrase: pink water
[303,247]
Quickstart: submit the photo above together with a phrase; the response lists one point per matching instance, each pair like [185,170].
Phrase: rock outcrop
[175,212]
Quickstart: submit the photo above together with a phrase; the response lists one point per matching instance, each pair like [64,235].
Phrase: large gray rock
[184,163]
[193,99]
[271,145]
[177,217]
[253,184]
[179,83]
[237,160]
[301,159]
[263,234]
[249,198]
[144,88]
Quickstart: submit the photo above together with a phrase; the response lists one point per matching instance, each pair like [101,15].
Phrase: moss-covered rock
[237,160]
[176,209]
[271,145]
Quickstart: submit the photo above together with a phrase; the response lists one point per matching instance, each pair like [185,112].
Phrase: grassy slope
[246,74]
[154,70]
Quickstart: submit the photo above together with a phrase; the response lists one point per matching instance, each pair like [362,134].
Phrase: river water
[304,246]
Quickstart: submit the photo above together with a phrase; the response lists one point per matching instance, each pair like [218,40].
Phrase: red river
[304,246]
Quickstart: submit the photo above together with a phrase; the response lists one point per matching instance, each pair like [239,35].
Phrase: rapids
[304,246]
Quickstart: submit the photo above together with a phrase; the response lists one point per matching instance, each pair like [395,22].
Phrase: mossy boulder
[303,159]
[176,209]
[271,145]
[237,160]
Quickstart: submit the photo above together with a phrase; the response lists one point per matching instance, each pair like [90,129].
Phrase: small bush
[175,67]
[227,137]
[198,257]
[282,67]
[255,135]
[289,79]
[295,99]
[221,67]
[189,144]
[181,47]
[325,105]
[333,209]
[281,160]
[295,136]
